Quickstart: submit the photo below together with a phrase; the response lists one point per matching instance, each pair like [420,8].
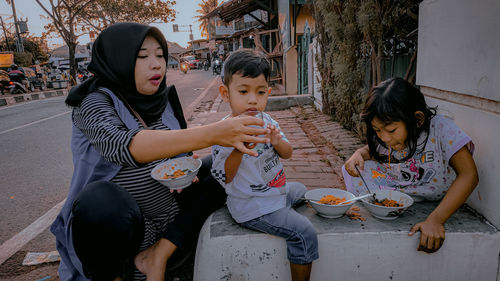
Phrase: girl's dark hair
[393,100]
[248,63]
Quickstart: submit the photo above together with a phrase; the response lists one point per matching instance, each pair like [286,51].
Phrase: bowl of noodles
[387,204]
[327,202]
[176,173]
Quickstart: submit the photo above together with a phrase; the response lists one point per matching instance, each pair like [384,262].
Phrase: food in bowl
[176,173]
[331,200]
[327,210]
[396,204]
[387,203]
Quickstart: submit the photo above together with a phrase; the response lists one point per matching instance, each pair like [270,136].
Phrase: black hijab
[113,62]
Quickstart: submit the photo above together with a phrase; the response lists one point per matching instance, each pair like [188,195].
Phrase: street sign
[175,27]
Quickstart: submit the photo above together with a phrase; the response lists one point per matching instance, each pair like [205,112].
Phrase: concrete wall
[458,69]
[314,75]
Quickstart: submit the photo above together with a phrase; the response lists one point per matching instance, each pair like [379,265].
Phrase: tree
[33,50]
[103,13]
[359,42]
[63,15]
[388,29]
[206,6]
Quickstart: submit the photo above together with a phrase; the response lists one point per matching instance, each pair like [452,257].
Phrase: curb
[276,103]
[10,100]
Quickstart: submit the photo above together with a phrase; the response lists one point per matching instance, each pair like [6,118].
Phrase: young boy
[259,197]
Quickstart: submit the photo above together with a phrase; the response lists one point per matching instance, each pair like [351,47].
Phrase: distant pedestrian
[259,196]
[423,154]
[118,222]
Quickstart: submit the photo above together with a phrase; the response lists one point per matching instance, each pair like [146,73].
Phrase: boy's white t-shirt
[427,174]
[259,187]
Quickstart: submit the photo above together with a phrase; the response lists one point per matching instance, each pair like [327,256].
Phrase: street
[36,161]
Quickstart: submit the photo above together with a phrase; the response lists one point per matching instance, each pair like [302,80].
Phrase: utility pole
[5,33]
[191,38]
[176,29]
[19,45]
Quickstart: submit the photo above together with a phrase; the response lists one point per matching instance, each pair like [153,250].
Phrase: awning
[235,9]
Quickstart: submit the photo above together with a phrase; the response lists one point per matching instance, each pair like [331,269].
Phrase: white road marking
[35,122]
[17,242]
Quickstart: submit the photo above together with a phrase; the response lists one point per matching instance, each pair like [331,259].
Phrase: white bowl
[325,210]
[387,213]
[168,167]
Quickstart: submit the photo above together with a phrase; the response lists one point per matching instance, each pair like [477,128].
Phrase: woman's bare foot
[153,261]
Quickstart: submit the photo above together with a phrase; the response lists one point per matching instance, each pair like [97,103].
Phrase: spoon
[356,198]
[341,203]
[364,182]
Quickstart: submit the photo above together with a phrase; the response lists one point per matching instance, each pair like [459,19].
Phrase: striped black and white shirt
[96,117]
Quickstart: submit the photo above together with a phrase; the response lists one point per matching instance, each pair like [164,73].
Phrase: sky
[185,13]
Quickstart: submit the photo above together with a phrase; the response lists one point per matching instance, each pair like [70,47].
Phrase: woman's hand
[236,132]
[431,235]
[355,160]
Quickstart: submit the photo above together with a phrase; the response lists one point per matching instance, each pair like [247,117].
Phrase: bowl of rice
[327,202]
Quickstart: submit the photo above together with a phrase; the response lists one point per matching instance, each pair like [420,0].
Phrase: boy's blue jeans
[301,238]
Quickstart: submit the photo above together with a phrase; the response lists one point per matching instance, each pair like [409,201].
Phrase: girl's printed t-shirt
[259,187]
[427,174]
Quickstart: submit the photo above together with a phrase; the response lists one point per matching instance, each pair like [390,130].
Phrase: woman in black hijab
[126,121]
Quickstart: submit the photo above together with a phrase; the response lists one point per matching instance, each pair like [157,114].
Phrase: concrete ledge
[13,99]
[275,103]
[352,250]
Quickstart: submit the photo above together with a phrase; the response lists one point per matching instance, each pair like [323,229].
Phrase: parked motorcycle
[16,88]
[16,84]
[217,67]
[184,67]
[206,65]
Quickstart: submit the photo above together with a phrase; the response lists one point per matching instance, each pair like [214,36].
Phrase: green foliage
[23,59]
[31,46]
[356,39]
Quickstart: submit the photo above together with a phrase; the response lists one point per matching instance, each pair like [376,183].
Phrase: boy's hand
[431,235]
[273,135]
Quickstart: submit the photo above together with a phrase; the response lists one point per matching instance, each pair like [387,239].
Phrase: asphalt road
[35,156]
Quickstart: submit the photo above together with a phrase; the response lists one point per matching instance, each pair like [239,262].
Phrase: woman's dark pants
[108,228]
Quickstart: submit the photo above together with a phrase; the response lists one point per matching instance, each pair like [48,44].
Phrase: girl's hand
[356,159]
[274,134]
[431,235]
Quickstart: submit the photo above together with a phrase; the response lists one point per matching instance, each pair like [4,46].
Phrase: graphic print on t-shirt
[271,169]
[399,175]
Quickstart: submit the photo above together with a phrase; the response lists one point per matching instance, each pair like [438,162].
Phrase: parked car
[36,80]
[193,62]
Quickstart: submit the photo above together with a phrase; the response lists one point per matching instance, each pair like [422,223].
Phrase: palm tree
[206,6]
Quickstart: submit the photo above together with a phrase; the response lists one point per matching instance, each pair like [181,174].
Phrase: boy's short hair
[247,63]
